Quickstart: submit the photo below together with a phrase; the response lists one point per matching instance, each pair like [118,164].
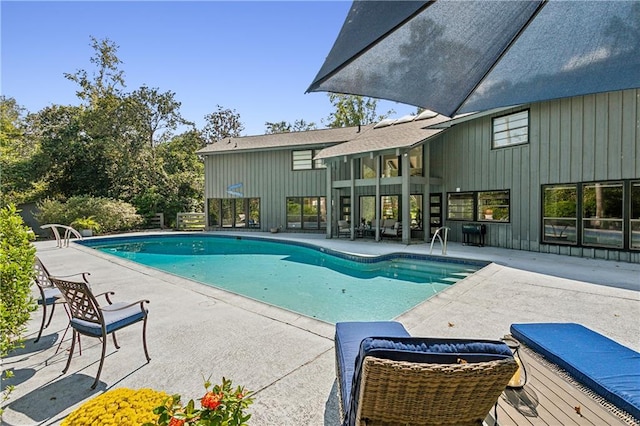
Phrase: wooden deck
[548,398]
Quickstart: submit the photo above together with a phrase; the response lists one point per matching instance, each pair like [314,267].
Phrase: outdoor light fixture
[519,378]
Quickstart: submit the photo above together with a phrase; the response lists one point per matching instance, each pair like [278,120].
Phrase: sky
[254,57]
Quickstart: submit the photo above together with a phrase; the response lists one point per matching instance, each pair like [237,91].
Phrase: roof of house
[320,137]
[401,133]
[336,142]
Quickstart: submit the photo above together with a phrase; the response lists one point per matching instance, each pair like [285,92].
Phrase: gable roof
[405,133]
[320,137]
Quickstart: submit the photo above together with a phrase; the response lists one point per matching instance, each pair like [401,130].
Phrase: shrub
[17,256]
[118,407]
[112,215]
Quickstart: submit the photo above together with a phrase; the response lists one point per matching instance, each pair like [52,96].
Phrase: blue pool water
[313,281]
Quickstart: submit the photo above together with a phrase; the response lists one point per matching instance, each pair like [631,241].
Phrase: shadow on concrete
[48,401]
[331,407]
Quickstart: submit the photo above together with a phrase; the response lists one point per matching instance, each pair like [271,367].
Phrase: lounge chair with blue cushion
[385,376]
[608,368]
[90,318]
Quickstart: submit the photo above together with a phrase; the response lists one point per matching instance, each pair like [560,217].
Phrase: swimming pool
[314,281]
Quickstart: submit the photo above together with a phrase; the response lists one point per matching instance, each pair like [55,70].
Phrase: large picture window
[592,214]
[634,225]
[493,206]
[512,129]
[234,212]
[559,216]
[460,206]
[306,213]
[602,221]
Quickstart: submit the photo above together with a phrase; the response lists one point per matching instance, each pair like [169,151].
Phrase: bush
[17,256]
[111,215]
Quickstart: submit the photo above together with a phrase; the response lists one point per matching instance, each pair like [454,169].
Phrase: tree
[352,110]
[155,112]
[221,124]
[284,127]
[107,81]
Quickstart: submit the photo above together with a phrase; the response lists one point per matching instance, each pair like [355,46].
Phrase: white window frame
[511,129]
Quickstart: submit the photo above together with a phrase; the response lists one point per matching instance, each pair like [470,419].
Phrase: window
[634,228]
[390,205]
[415,161]
[493,206]
[390,166]
[303,160]
[368,167]
[559,215]
[415,202]
[368,209]
[234,212]
[306,213]
[511,129]
[602,222]
[460,206]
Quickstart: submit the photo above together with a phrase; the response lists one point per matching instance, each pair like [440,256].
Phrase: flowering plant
[121,407]
[222,405]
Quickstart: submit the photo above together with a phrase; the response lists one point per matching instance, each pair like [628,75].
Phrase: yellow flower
[122,407]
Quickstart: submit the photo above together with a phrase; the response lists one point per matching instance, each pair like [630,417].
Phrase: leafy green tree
[284,127]
[17,257]
[154,113]
[353,110]
[17,148]
[221,124]
[107,80]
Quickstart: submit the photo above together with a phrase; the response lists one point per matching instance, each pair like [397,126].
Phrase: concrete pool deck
[288,359]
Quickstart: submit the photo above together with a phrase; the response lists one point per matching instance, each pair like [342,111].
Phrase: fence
[190,221]
[155,221]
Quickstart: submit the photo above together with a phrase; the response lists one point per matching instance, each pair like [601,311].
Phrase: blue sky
[256,57]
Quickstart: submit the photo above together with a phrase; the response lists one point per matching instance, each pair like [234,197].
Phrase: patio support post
[329,200]
[426,199]
[406,198]
[352,196]
[378,207]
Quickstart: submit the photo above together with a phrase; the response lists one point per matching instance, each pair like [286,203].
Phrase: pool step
[429,272]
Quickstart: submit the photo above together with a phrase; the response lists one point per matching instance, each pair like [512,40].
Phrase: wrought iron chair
[49,294]
[89,318]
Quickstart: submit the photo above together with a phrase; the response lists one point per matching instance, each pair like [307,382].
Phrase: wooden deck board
[550,399]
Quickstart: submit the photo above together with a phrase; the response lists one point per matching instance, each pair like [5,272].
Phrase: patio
[196,331]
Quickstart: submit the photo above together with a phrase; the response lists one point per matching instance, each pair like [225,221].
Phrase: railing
[62,241]
[443,243]
[190,221]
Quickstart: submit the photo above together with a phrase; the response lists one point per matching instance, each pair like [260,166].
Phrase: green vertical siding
[586,138]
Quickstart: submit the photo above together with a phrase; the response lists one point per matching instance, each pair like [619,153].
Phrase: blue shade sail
[464,56]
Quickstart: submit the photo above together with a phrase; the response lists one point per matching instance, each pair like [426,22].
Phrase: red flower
[211,400]
[240,396]
[176,422]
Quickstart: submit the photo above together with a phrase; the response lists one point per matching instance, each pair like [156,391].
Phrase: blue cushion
[348,337]
[114,319]
[51,295]
[605,366]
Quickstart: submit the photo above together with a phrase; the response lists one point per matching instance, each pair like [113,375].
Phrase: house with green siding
[560,176]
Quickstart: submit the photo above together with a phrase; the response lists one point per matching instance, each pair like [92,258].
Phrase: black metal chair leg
[115,342]
[73,344]
[42,326]
[104,352]
[53,309]
[144,339]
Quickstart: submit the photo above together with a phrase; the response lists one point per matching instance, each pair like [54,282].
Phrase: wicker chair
[91,319]
[419,381]
[49,294]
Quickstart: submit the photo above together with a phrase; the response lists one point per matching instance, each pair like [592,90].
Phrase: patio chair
[49,294]
[391,228]
[89,318]
[344,229]
[398,379]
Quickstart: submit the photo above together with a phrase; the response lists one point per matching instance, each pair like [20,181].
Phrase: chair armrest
[84,276]
[139,302]
[106,295]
